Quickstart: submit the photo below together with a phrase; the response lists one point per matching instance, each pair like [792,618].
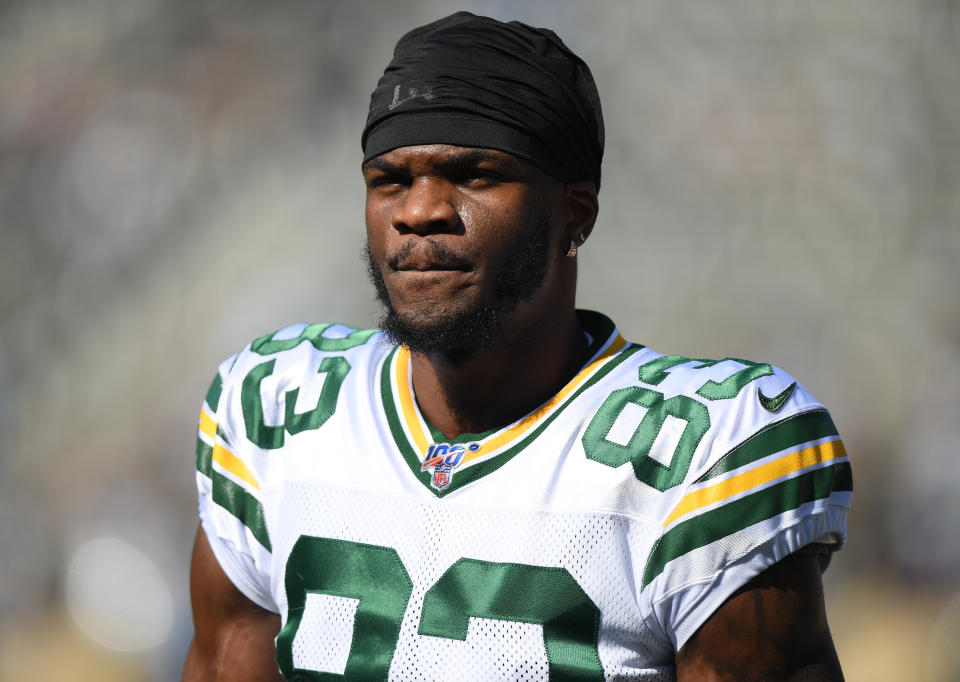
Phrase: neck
[494,387]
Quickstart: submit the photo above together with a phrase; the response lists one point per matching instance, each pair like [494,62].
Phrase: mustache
[427,250]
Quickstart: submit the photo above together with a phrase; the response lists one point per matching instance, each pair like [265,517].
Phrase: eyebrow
[380,164]
[469,157]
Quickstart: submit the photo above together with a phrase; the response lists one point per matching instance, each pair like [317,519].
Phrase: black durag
[473,81]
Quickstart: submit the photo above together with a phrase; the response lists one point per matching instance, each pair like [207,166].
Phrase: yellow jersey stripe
[524,425]
[207,425]
[757,476]
[234,465]
[406,399]
[503,437]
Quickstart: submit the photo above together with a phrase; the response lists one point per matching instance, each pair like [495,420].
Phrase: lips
[421,266]
[427,256]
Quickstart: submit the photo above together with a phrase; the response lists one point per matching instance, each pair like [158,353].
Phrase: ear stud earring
[574,244]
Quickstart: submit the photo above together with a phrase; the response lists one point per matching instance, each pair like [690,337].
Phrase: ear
[582,209]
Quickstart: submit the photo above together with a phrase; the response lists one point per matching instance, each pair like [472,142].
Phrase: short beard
[464,333]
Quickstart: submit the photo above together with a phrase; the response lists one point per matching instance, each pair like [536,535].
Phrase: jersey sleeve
[772,478]
[230,503]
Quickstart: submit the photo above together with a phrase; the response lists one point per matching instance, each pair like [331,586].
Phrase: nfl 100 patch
[443,458]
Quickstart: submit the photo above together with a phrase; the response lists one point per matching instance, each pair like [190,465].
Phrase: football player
[497,485]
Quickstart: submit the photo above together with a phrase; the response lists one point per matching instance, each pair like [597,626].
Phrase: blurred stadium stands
[781,182]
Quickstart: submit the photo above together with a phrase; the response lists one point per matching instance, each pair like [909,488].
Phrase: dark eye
[479,177]
[386,181]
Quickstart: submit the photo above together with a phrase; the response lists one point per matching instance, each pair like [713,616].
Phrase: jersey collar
[490,450]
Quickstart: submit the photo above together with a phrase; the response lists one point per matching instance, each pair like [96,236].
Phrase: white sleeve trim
[690,606]
[237,566]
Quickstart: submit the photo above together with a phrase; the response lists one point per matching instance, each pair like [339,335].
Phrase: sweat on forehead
[473,81]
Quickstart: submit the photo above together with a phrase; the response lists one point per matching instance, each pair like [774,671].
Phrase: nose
[427,208]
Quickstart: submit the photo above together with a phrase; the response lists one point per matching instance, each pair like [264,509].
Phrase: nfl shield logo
[442,459]
[441,479]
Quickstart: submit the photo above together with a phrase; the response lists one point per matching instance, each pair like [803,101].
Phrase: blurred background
[781,182]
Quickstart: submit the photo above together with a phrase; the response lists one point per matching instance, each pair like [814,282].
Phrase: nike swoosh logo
[776,402]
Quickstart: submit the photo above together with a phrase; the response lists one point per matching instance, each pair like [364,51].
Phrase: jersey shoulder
[280,385]
[761,472]
[752,409]
[264,389]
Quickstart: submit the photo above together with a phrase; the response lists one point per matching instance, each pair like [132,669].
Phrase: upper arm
[234,638]
[773,628]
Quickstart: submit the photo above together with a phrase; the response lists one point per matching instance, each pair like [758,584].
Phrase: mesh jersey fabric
[589,539]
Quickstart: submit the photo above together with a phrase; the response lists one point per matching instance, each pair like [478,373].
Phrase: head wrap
[473,81]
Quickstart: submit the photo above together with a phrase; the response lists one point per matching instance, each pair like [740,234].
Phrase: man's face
[458,238]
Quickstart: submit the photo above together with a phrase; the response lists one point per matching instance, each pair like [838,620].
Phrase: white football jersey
[588,540]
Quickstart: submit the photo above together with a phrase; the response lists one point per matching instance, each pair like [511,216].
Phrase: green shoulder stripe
[205,451]
[213,393]
[204,457]
[800,428]
[739,514]
[242,505]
